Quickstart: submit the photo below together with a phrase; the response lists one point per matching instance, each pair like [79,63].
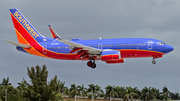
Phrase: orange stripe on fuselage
[29,50]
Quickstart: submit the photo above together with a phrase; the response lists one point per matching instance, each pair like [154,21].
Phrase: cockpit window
[161,43]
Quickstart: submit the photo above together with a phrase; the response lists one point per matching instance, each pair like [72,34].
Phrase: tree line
[39,89]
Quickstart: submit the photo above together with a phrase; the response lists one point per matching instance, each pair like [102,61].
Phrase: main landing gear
[91,64]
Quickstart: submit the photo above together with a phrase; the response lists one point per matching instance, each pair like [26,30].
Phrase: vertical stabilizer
[26,33]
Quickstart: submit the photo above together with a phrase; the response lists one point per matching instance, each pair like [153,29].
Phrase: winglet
[54,34]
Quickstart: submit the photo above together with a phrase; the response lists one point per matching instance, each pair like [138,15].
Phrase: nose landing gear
[91,64]
[153,62]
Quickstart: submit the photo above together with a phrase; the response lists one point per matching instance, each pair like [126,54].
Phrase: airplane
[110,51]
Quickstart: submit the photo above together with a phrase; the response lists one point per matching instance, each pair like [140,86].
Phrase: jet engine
[110,55]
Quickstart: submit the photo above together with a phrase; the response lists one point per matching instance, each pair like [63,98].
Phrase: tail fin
[54,34]
[26,33]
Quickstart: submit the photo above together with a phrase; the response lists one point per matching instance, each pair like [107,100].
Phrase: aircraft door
[149,44]
[44,49]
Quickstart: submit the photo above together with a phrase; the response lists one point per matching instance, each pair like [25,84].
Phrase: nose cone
[169,48]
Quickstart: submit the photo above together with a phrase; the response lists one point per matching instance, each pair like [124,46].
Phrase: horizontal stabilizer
[19,44]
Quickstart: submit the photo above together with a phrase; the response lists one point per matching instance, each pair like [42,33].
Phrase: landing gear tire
[153,62]
[89,64]
[93,65]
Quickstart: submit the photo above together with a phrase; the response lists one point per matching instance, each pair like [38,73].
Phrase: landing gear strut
[153,62]
[91,64]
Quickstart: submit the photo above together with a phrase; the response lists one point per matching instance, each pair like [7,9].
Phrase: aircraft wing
[75,46]
[91,50]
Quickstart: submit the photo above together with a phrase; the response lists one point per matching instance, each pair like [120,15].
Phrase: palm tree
[41,89]
[148,93]
[73,90]
[22,85]
[110,91]
[129,93]
[120,91]
[5,82]
[62,87]
[22,89]
[93,89]
[99,91]
[82,90]
[165,93]
[67,91]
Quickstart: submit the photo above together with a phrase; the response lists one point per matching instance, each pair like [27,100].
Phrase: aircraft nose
[170,48]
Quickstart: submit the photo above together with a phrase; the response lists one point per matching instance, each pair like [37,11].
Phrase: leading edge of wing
[77,45]
[73,44]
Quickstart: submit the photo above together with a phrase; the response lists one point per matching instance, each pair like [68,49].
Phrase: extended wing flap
[19,44]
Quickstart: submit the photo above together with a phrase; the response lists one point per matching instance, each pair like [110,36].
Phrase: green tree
[73,90]
[62,87]
[148,93]
[92,89]
[120,91]
[99,91]
[23,93]
[41,90]
[82,90]
[165,93]
[8,91]
[174,96]
[5,82]
[129,93]
[110,91]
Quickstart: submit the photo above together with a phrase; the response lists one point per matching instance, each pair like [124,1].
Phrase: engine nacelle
[116,61]
[110,55]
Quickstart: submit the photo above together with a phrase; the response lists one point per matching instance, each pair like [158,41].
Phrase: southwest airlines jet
[107,50]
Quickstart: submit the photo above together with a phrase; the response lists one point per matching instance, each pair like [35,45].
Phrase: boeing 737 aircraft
[108,50]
